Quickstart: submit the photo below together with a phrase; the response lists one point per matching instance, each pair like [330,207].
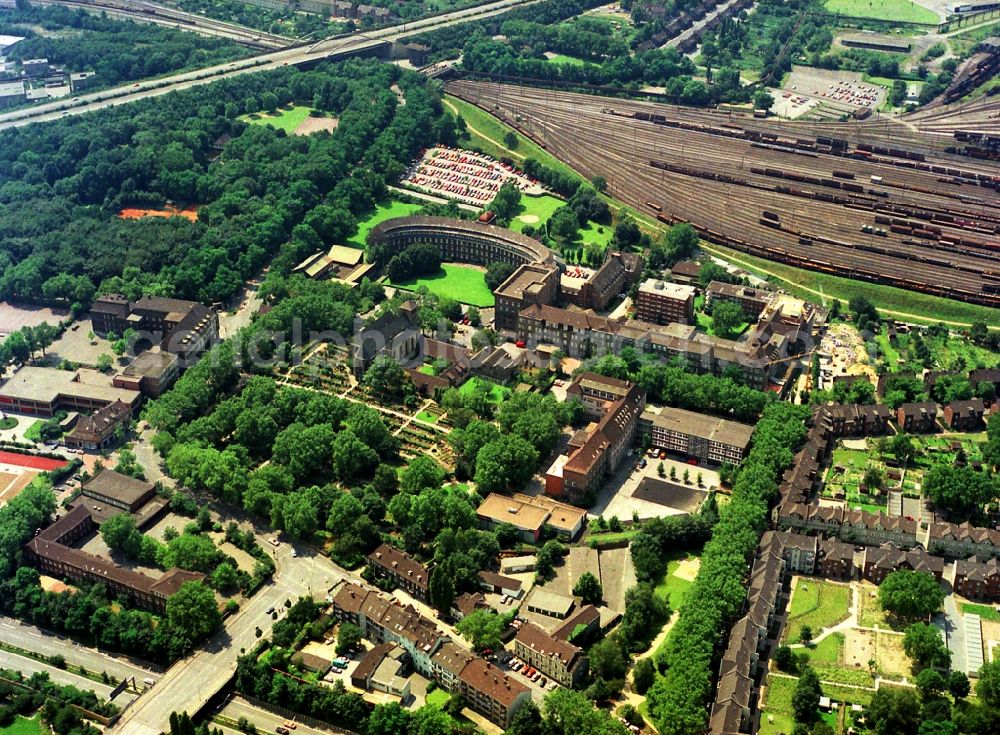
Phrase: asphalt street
[29,666]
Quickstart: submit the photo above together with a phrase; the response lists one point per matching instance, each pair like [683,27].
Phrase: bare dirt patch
[892,661]
[859,648]
[315,124]
[688,568]
[15,316]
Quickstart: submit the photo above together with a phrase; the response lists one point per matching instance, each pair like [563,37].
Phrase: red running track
[31,461]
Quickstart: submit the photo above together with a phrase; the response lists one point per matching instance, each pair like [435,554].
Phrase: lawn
[672,588]
[430,418]
[23,726]
[983,611]
[487,125]
[828,652]
[461,282]
[497,392]
[595,233]
[704,323]
[571,60]
[817,604]
[34,432]
[535,211]
[776,716]
[286,119]
[437,698]
[382,212]
[871,614]
[902,11]
[917,307]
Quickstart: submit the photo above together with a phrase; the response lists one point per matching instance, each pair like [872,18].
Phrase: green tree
[482,628]
[422,472]
[958,685]
[193,613]
[589,589]
[784,659]
[930,683]
[643,675]
[763,100]
[348,637]
[510,140]
[568,712]
[726,316]
[225,576]
[893,711]
[988,686]
[923,643]
[805,698]
[910,595]
[441,587]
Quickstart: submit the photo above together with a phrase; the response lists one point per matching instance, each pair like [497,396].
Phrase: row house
[882,561]
[389,563]
[557,659]
[965,415]
[875,529]
[961,540]
[917,418]
[850,419]
[835,559]
[976,579]
[733,709]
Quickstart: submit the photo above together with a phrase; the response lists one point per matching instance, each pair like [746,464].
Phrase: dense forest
[118,50]
[268,194]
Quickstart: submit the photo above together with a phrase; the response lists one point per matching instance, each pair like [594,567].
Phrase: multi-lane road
[329,48]
[190,683]
[147,12]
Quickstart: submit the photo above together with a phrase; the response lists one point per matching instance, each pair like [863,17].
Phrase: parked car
[642,463]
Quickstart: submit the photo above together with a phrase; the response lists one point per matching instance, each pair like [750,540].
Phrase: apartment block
[706,438]
[664,302]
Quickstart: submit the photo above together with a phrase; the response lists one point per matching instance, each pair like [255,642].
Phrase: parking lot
[617,495]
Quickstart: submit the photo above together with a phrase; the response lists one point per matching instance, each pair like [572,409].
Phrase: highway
[330,48]
[146,12]
[28,666]
[29,638]
[190,683]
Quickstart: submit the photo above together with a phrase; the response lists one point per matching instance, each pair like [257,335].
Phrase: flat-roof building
[531,284]
[42,391]
[121,491]
[663,302]
[151,373]
[530,515]
[696,435]
[752,301]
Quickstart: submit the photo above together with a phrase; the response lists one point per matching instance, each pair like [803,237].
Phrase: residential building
[101,429]
[466,604]
[489,691]
[835,559]
[392,335]
[687,271]
[51,552]
[880,562]
[965,415]
[383,669]
[963,540]
[856,419]
[599,449]
[532,284]
[917,418]
[800,552]
[184,328]
[663,302]
[42,391]
[530,515]
[752,301]
[705,438]
[557,659]
[388,562]
[596,289]
[977,579]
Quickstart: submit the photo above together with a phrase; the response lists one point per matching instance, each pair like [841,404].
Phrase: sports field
[382,212]
[896,10]
[460,282]
[535,210]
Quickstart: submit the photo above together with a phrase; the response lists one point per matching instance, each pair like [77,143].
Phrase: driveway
[952,627]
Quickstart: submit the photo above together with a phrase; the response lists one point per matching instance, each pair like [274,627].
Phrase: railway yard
[869,200]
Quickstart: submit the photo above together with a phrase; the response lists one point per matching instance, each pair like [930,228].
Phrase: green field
[571,60]
[817,604]
[778,706]
[460,282]
[430,418]
[497,392]
[382,212]
[672,588]
[909,306]
[23,726]
[902,11]
[983,611]
[595,233]
[535,211]
[286,119]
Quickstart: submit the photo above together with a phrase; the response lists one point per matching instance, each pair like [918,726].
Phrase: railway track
[922,221]
[147,12]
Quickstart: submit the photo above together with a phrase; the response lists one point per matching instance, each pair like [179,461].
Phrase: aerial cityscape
[540,367]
